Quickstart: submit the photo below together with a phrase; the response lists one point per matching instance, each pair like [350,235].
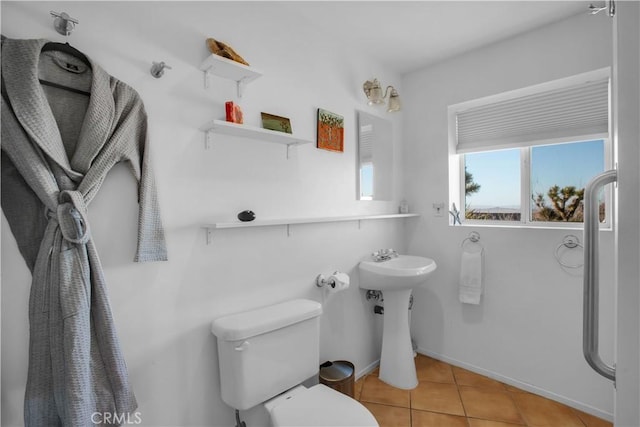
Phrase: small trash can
[339,375]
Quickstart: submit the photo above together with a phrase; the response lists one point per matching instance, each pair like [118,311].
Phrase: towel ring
[570,242]
[474,237]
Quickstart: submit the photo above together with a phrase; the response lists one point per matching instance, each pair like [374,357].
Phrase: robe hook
[157,69]
[63,23]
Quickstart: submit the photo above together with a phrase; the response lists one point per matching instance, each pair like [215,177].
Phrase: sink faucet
[384,255]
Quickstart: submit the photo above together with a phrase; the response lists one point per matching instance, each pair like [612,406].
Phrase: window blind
[365,143]
[573,111]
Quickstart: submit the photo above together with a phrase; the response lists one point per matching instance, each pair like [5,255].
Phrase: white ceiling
[408,35]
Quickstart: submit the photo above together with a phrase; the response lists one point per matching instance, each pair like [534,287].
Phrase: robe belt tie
[71,215]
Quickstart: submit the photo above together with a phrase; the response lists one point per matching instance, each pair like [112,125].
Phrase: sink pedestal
[397,365]
[396,278]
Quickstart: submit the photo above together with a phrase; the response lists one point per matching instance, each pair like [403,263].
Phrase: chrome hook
[157,69]
[611,8]
[63,23]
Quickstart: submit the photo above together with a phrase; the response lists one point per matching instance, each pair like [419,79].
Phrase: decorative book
[277,123]
[234,112]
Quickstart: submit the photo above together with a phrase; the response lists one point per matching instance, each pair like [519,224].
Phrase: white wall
[163,310]
[528,329]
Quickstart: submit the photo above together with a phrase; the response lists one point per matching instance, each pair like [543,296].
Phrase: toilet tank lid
[258,321]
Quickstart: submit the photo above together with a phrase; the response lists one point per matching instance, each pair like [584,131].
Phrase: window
[492,185]
[527,155]
[559,174]
[366,181]
[551,178]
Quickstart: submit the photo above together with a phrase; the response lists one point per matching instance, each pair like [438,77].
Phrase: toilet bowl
[317,406]
[266,353]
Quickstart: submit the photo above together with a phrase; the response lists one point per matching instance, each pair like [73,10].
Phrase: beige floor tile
[591,421]
[538,411]
[439,402]
[390,416]
[432,419]
[376,391]
[468,378]
[437,397]
[488,404]
[513,389]
[475,422]
[429,369]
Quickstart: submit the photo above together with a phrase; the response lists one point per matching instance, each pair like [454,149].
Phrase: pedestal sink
[396,278]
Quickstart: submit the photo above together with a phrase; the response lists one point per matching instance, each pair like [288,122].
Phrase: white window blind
[365,143]
[574,108]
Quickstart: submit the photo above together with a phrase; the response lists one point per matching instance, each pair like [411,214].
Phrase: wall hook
[157,69]
[63,23]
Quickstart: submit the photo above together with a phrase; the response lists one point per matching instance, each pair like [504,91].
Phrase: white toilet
[264,355]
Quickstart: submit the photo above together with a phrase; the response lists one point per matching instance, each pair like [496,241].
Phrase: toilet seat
[318,406]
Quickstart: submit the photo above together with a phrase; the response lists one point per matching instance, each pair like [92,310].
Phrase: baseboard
[521,385]
[367,369]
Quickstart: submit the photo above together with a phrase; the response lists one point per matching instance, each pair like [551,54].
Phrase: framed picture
[330,131]
[272,122]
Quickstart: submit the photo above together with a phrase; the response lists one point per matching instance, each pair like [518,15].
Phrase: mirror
[375,158]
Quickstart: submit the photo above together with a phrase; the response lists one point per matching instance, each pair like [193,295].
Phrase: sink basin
[396,278]
[403,272]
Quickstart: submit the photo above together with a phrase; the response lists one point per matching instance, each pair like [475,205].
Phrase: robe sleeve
[135,148]
[151,241]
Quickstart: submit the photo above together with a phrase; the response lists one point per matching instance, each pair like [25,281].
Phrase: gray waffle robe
[57,147]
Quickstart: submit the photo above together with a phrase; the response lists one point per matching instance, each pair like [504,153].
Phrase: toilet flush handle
[243,346]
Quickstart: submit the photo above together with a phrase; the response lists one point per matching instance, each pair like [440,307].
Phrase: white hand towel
[471,277]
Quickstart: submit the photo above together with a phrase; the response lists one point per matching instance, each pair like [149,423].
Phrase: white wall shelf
[222,127]
[229,69]
[210,228]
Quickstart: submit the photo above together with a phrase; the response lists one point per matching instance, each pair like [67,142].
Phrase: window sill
[517,225]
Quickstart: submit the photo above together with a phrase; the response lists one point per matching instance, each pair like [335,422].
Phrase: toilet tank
[266,351]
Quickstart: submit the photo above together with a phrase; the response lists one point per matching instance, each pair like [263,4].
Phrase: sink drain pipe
[379,309]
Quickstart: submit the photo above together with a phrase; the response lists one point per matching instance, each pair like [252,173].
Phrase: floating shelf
[229,69]
[292,221]
[222,127]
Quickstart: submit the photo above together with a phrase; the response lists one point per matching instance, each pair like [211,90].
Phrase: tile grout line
[455,381]
[515,403]
[575,412]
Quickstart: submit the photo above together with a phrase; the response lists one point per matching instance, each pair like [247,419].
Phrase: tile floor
[448,396]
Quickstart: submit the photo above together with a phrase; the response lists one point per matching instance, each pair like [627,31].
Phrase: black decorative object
[246,216]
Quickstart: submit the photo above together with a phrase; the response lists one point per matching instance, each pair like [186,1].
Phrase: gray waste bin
[339,375]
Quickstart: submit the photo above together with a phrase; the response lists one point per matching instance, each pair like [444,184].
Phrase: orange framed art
[330,131]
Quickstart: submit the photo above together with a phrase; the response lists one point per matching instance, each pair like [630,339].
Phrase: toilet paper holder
[332,280]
